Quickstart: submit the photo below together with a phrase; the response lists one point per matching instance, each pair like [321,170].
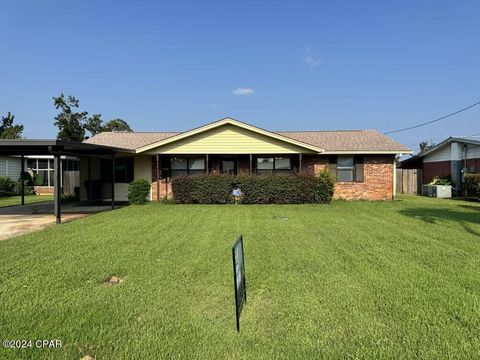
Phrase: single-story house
[454,157]
[42,165]
[363,161]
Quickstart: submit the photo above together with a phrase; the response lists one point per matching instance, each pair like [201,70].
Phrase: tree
[8,130]
[94,124]
[117,125]
[71,124]
[74,125]
[424,146]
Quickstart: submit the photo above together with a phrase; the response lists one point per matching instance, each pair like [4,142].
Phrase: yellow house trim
[236,123]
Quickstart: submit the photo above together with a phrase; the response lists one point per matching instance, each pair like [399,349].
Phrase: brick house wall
[432,169]
[377,183]
[43,190]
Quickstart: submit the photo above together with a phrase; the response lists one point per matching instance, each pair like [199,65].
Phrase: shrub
[325,186]
[263,189]
[472,184]
[203,189]
[445,180]
[138,191]
[37,179]
[7,186]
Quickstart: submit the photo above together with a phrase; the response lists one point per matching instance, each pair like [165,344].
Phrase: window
[345,168]
[282,164]
[183,166]
[70,165]
[123,170]
[44,169]
[277,164]
[265,165]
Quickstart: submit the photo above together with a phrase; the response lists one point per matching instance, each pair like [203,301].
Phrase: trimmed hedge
[472,184]
[264,189]
[138,191]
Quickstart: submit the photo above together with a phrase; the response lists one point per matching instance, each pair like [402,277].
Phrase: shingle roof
[128,140]
[346,140]
[340,140]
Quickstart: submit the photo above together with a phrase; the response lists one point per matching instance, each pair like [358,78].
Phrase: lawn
[366,280]
[29,199]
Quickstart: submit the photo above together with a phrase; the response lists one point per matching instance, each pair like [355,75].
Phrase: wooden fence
[409,181]
[71,180]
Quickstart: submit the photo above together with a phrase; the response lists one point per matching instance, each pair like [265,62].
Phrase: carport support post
[22,179]
[57,189]
[113,182]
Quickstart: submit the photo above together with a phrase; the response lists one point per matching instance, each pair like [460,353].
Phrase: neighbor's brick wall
[432,169]
[378,178]
[44,190]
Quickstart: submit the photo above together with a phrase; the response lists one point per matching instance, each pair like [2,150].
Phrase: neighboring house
[363,161]
[452,157]
[11,166]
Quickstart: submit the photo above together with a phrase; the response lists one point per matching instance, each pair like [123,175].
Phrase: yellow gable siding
[229,139]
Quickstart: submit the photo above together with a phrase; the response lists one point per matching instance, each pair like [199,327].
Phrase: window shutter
[332,163]
[359,169]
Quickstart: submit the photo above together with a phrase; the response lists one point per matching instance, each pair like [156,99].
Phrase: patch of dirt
[88,357]
[114,280]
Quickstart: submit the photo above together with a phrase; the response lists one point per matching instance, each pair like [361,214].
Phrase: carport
[57,148]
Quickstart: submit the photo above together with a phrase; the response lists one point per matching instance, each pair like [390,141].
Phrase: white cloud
[240,91]
[312,61]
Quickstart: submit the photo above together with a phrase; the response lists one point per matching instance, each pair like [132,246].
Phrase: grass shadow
[436,215]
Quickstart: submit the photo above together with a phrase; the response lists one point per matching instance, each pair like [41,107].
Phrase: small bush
[472,184]
[138,191]
[263,189]
[37,179]
[445,180]
[325,186]
[7,186]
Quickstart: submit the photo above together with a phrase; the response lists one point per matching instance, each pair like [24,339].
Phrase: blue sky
[295,65]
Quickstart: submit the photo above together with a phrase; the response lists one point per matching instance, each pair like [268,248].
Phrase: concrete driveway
[18,220]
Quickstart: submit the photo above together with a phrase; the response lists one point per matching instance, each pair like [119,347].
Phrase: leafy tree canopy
[425,145]
[117,125]
[77,126]
[8,130]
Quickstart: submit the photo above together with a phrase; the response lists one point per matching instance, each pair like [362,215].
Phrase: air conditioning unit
[438,191]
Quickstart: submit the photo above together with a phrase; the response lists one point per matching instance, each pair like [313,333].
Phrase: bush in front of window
[472,185]
[138,191]
[264,189]
[203,189]
[7,186]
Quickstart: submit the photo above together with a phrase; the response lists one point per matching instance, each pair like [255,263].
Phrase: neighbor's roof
[463,140]
[329,141]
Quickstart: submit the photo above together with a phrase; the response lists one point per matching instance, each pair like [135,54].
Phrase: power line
[432,121]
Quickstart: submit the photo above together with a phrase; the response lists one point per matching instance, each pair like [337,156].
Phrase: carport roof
[50,147]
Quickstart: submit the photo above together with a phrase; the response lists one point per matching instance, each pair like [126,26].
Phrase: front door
[228,166]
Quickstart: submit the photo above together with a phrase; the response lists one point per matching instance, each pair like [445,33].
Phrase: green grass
[347,280]
[29,199]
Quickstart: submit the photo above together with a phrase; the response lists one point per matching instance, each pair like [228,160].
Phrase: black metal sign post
[239,277]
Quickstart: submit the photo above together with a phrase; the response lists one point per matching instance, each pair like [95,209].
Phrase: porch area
[167,166]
